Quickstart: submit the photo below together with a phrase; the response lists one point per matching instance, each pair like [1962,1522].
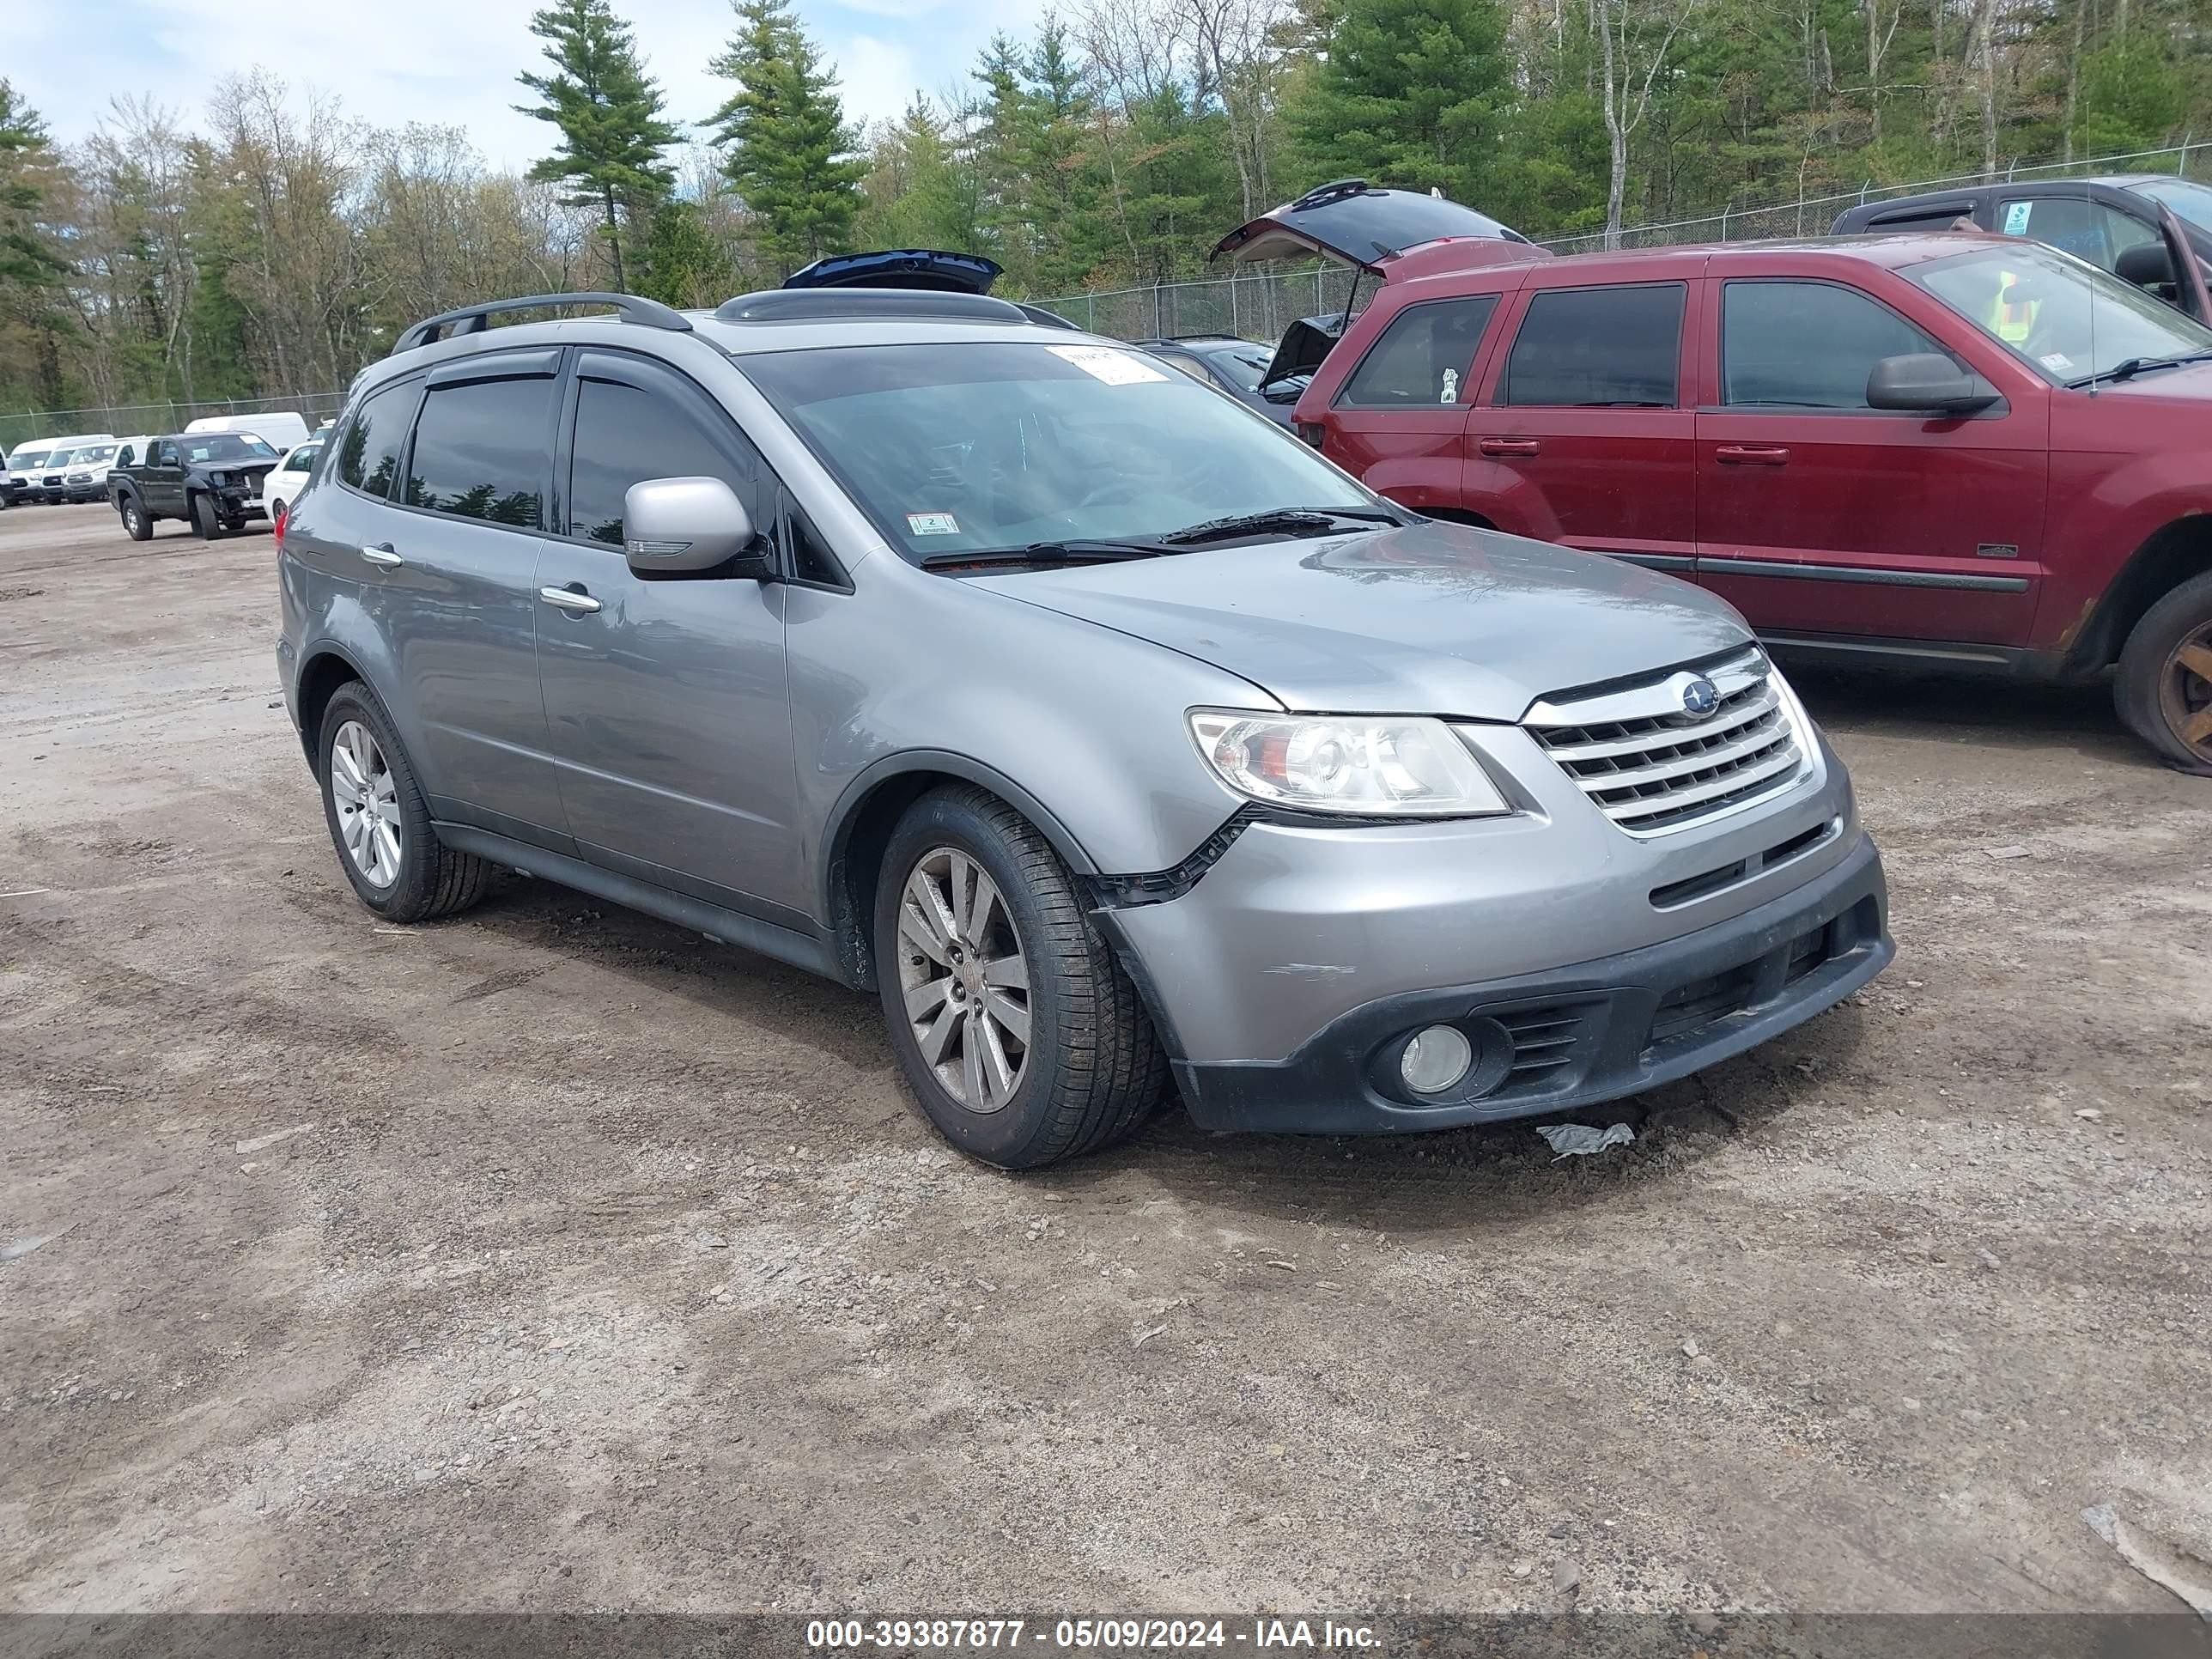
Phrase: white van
[30,465]
[282,430]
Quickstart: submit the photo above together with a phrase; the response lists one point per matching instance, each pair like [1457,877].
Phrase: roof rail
[473,320]
[857,305]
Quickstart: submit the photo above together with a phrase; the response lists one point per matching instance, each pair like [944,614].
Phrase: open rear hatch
[1361,225]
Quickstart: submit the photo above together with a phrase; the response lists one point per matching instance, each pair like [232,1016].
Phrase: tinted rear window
[1424,355]
[1581,347]
[481,451]
[368,455]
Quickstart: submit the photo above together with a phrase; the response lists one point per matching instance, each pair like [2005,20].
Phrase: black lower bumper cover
[1576,1036]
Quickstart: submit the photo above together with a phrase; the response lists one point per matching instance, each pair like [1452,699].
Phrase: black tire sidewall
[205,520]
[1006,1136]
[2139,679]
[409,896]
[134,522]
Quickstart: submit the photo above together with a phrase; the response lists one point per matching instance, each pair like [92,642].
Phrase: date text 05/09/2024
[1092,1635]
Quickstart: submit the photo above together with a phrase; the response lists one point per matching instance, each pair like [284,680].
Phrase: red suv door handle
[1752,455]
[1508,446]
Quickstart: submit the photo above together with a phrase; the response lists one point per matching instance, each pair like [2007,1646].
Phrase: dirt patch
[615,1270]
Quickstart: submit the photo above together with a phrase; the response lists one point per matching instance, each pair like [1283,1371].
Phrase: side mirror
[684,526]
[2147,264]
[1927,382]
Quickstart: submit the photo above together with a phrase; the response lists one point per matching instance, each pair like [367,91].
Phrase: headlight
[218,479]
[1393,768]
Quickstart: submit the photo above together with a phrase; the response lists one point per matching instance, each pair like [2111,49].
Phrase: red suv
[1966,449]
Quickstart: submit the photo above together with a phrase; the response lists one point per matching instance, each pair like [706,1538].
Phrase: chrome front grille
[1651,766]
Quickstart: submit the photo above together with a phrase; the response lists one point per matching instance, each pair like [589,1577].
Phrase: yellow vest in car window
[2011,320]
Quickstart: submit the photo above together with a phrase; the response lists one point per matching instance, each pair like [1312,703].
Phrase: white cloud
[453,62]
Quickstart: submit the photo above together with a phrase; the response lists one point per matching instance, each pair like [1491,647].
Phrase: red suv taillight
[276,530]
[1313,432]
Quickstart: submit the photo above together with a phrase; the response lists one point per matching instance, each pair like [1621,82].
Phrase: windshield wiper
[1081,550]
[2134,366]
[1293,519]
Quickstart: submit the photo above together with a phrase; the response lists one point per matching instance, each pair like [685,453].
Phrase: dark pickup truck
[211,480]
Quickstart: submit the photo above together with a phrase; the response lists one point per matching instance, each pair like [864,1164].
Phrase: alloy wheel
[965,981]
[2184,692]
[367,800]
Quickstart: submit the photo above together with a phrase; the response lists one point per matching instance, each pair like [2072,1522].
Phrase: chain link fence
[1255,304]
[1258,305]
[148,420]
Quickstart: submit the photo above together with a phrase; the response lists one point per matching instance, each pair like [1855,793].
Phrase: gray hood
[1430,619]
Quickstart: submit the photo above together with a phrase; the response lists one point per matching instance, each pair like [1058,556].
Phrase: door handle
[381,554]
[571,599]
[1752,455]
[1508,446]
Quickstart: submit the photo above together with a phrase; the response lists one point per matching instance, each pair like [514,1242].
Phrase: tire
[204,518]
[426,878]
[2163,689]
[1093,1069]
[135,524]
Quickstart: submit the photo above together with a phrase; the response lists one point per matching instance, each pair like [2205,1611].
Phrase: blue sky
[375,58]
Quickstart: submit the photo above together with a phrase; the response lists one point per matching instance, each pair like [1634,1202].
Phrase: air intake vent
[1651,765]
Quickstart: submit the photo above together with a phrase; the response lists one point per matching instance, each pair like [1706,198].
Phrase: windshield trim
[918,559]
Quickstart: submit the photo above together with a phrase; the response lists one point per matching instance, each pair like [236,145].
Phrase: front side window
[1599,348]
[625,435]
[2074,224]
[480,451]
[994,445]
[2069,322]
[1423,357]
[1807,345]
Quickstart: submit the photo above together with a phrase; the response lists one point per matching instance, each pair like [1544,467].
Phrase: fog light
[1436,1058]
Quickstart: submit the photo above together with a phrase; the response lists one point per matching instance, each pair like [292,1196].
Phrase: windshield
[2192,201]
[27,457]
[1242,363]
[97,453]
[2070,320]
[223,447]
[992,447]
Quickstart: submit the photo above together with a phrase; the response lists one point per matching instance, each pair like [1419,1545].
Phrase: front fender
[1079,727]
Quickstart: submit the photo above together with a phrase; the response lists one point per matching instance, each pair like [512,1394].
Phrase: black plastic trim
[726,926]
[1329,1086]
[1859,573]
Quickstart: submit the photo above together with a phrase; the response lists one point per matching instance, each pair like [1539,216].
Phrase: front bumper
[1571,1036]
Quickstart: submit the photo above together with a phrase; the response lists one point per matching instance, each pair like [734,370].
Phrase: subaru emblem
[1700,697]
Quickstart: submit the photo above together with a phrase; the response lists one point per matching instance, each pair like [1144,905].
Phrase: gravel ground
[552,1257]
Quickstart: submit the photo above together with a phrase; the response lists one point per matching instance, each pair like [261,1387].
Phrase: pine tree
[608,110]
[685,264]
[1410,94]
[26,256]
[791,160]
[920,194]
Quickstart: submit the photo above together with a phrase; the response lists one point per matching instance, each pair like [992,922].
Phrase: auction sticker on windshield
[1104,363]
[932,524]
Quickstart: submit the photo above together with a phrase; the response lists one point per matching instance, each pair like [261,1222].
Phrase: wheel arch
[326,669]
[2177,551]
[859,827]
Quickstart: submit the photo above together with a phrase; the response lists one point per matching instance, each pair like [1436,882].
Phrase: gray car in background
[1110,737]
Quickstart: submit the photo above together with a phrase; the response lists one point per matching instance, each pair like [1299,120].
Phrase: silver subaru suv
[1107,734]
